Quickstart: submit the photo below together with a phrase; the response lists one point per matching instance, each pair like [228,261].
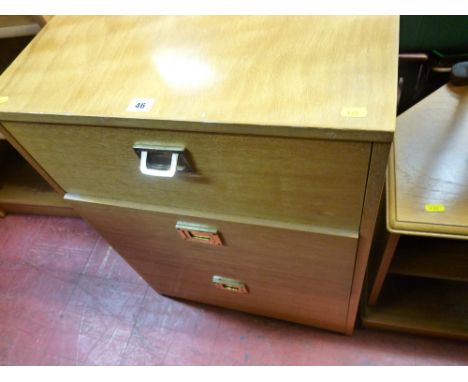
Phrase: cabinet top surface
[307,72]
[429,181]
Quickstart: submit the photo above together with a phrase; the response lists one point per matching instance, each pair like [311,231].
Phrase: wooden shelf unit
[431,257]
[418,276]
[23,190]
[421,305]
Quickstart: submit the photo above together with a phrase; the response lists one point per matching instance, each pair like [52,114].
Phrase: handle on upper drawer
[169,173]
[160,160]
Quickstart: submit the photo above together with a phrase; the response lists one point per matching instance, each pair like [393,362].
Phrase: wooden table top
[334,77]
[427,179]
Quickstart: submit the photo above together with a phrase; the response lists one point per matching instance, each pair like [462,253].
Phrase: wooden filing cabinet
[237,161]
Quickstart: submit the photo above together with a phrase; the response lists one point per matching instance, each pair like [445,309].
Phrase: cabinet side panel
[374,192]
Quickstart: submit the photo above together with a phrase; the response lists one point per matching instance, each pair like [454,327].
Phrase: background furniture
[429,46]
[269,136]
[426,253]
[22,188]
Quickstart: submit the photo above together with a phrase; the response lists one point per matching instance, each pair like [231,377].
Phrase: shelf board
[421,305]
[431,257]
[16,26]
[23,190]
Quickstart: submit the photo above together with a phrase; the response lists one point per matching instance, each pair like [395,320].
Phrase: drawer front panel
[302,181]
[292,275]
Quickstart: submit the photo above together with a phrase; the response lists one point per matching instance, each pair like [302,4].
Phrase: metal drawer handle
[169,173]
[230,285]
[154,159]
[200,233]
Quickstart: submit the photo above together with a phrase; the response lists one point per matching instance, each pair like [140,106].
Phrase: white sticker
[141,104]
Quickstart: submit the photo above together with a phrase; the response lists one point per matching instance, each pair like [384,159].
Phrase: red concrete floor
[66,298]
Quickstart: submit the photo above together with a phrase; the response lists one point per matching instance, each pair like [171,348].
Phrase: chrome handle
[162,160]
[169,173]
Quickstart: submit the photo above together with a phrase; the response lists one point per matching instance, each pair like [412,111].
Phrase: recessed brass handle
[200,233]
[161,160]
[230,285]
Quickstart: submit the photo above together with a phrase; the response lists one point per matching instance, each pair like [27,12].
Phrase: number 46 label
[140,104]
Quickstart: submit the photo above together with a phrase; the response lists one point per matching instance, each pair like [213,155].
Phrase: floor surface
[66,298]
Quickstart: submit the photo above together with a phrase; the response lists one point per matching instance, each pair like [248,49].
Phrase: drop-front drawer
[293,275]
[305,181]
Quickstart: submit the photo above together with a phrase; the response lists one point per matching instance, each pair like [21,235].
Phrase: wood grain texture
[429,166]
[285,75]
[423,306]
[373,195]
[432,258]
[291,275]
[312,182]
[246,220]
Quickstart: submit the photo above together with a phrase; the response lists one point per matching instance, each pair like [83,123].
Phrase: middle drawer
[304,181]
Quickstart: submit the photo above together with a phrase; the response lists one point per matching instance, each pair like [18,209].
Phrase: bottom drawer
[288,274]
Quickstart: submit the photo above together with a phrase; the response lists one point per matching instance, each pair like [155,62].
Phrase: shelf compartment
[421,305]
[23,190]
[431,257]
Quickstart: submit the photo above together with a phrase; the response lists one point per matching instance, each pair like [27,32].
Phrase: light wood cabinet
[420,283]
[285,124]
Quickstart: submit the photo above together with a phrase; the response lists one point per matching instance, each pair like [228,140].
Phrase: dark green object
[446,34]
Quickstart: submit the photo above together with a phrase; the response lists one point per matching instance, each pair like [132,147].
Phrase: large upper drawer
[304,181]
[288,274]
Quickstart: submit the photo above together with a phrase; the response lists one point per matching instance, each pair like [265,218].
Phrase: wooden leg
[384,266]
[2,213]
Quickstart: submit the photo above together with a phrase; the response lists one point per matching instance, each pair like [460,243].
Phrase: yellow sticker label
[434,207]
[3,99]
[354,112]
